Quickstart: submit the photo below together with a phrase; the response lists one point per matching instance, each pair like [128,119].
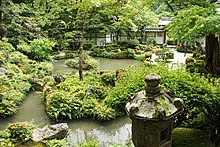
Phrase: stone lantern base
[152,133]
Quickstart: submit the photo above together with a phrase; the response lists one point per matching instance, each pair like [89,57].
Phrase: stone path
[179,58]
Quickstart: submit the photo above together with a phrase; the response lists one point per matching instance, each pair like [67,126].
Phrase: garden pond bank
[116,131]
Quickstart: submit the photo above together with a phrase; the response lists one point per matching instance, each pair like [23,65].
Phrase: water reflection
[103,64]
[32,109]
[114,132]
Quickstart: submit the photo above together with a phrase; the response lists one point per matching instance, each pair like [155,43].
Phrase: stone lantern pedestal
[152,111]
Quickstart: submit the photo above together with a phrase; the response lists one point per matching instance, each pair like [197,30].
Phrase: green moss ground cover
[188,137]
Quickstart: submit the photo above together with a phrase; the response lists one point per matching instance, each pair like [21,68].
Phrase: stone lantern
[152,111]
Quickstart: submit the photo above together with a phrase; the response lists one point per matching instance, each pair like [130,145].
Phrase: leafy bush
[17,58]
[62,105]
[13,87]
[40,49]
[20,132]
[88,63]
[196,91]
[129,43]
[38,69]
[104,113]
[5,46]
[78,99]
[108,78]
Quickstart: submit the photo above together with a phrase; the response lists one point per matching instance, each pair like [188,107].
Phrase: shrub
[129,43]
[5,46]
[104,113]
[61,105]
[20,132]
[38,69]
[17,58]
[40,49]
[195,90]
[88,63]
[108,78]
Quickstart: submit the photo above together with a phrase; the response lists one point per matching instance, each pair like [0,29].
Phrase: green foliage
[185,137]
[90,144]
[15,84]
[38,69]
[78,99]
[108,78]
[199,95]
[5,46]
[18,58]
[40,49]
[129,43]
[20,132]
[88,62]
[61,105]
[194,22]
[56,143]
[13,88]
[104,113]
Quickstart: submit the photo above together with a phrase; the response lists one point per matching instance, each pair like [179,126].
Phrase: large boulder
[57,131]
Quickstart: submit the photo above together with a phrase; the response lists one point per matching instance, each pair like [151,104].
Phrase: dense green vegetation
[19,77]
[31,31]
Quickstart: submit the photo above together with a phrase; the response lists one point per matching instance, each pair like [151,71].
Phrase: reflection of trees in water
[113,132]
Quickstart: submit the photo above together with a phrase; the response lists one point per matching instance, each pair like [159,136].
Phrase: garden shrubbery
[18,76]
[201,97]
[79,99]
[122,50]
[88,62]
[17,133]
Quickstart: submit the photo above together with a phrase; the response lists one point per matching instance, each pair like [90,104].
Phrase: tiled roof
[164,21]
[154,30]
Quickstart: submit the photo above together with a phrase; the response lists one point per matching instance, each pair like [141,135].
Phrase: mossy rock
[188,137]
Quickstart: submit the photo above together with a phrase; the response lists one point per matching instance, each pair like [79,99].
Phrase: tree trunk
[81,59]
[212,54]
[1,13]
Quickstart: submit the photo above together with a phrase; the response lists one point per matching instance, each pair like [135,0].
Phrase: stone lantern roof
[153,103]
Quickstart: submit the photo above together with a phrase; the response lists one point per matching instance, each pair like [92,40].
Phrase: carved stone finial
[152,83]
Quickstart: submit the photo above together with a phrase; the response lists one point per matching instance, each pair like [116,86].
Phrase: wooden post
[81,58]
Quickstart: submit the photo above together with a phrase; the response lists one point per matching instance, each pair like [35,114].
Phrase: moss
[186,137]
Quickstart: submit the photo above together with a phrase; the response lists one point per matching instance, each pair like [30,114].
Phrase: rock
[38,84]
[57,131]
[1,139]
[3,71]
[58,78]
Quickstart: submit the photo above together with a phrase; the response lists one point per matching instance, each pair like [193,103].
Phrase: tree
[189,25]
[195,22]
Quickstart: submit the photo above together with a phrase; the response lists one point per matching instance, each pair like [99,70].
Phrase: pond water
[117,131]
[103,64]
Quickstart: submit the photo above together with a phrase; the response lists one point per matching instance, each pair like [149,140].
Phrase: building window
[151,34]
[159,34]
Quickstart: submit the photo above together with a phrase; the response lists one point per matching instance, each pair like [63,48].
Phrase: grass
[187,137]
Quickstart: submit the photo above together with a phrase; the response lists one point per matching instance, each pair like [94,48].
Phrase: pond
[117,131]
[103,64]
